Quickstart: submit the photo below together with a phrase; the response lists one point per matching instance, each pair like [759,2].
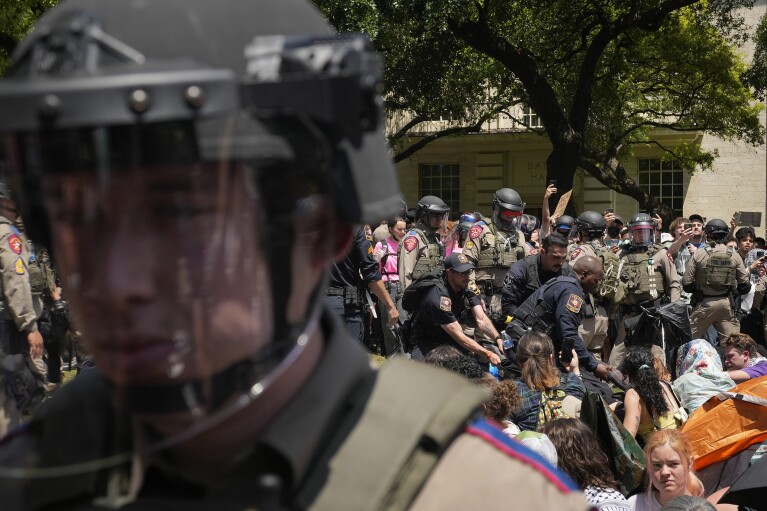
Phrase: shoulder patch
[19,266]
[410,243]
[574,303]
[575,253]
[475,231]
[445,304]
[15,243]
[469,244]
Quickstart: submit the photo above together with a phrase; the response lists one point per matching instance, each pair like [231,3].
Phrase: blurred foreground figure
[196,166]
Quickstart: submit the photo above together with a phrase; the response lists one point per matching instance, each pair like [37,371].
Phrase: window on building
[530,118]
[442,180]
[663,181]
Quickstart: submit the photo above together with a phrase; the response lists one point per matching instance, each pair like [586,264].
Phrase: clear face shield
[642,235]
[189,228]
[185,267]
[437,222]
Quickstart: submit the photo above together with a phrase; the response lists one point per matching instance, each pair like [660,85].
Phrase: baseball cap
[697,217]
[458,262]
[619,220]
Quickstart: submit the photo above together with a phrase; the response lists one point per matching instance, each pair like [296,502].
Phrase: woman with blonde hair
[670,472]
[535,355]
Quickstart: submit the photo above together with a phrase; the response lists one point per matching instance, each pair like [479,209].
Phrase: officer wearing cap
[196,167]
[496,244]
[436,321]
[715,276]
[556,309]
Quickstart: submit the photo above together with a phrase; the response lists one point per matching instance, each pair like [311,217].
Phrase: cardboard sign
[563,200]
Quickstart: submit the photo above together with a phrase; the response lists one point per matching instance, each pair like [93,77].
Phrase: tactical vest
[533,278]
[637,273]
[610,264]
[718,272]
[532,314]
[433,258]
[37,279]
[499,251]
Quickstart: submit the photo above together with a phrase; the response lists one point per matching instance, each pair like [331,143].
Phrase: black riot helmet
[431,205]
[207,146]
[642,230]
[717,229]
[564,225]
[591,223]
[507,208]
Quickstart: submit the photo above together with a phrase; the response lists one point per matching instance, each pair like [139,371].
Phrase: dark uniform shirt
[562,300]
[441,306]
[523,278]
[358,267]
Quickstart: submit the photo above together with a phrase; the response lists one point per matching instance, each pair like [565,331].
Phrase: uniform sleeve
[368,266]
[17,289]
[512,292]
[472,247]
[438,308]
[567,317]
[408,255]
[666,265]
[742,277]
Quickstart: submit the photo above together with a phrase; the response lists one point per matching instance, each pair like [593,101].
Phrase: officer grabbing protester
[436,320]
[716,277]
[556,309]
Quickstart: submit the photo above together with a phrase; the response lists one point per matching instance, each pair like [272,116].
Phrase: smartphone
[759,254]
[567,350]
[654,213]
[610,210]
[687,226]
[737,218]
[553,182]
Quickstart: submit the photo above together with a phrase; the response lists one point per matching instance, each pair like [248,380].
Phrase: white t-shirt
[644,502]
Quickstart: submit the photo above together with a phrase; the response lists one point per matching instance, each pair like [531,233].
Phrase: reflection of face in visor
[642,235]
[165,250]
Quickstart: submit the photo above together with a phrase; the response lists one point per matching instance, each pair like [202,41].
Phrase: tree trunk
[561,166]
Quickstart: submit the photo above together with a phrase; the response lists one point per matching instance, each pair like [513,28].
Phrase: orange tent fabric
[721,429]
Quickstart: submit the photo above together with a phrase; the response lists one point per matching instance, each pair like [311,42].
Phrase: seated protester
[535,355]
[436,319]
[670,472]
[505,401]
[539,443]
[582,458]
[450,358]
[742,359]
[650,405]
[699,374]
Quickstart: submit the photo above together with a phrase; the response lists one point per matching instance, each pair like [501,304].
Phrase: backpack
[411,300]
[551,407]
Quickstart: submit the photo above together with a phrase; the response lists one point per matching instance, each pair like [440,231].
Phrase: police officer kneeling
[714,275]
[436,319]
[556,309]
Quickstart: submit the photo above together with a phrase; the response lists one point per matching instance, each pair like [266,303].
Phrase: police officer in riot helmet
[422,251]
[590,225]
[648,278]
[564,224]
[595,325]
[196,167]
[507,208]
[496,244]
[716,277]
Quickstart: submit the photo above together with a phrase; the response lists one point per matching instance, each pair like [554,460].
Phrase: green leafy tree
[600,74]
[17,17]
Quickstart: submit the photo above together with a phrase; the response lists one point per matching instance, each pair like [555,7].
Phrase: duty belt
[350,294]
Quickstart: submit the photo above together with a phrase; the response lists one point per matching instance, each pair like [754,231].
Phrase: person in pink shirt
[386,253]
